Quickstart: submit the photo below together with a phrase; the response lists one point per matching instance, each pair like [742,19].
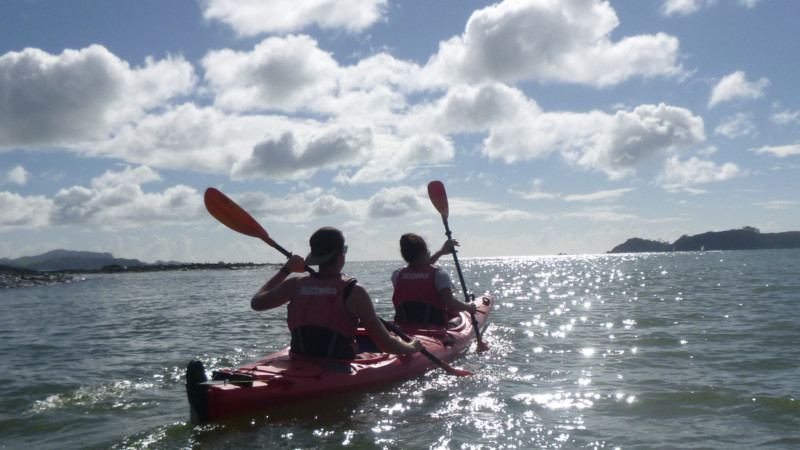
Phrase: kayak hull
[282,379]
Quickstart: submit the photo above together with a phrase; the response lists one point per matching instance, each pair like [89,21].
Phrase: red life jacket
[416,298]
[320,323]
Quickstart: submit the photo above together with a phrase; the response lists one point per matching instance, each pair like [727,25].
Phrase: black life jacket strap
[420,312]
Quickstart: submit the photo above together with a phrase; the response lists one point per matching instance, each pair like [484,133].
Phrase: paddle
[438,197]
[447,368]
[236,218]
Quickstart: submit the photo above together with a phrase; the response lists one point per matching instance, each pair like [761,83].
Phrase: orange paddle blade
[438,197]
[234,216]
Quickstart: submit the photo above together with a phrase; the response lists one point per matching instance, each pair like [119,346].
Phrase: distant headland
[747,238]
[59,266]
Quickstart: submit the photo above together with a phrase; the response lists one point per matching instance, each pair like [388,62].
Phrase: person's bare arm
[278,290]
[447,248]
[453,304]
[360,304]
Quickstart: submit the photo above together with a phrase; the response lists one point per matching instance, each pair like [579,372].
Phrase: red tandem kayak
[283,380]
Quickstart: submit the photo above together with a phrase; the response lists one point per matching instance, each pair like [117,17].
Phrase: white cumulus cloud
[393,158]
[80,94]
[683,7]
[786,117]
[735,86]
[394,202]
[735,126]
[280,73]
[17,175]
[679,174]
[518,130]
[298,156]
[781,151]
[549,40]
[26,212]
[116,200]
[687,7]
[254,17]
[613,144]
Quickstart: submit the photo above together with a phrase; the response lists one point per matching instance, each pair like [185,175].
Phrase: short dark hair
[411,246]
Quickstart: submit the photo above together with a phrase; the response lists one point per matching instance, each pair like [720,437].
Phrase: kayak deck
[281,379]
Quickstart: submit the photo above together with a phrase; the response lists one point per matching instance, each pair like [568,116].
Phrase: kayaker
[423,292]
[324,309]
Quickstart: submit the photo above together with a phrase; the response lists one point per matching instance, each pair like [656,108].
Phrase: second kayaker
[325,308]
[423,292]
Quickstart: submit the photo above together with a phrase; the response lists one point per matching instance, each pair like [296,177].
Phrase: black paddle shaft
[288,254]
[451,370]
[463,285]
[458,266]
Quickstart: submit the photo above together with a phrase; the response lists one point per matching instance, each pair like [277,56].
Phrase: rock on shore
[11,277]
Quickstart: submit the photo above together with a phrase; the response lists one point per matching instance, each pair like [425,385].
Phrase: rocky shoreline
[16,278]
[12,277]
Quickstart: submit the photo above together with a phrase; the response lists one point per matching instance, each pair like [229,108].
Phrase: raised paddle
[438,197]
[237,219]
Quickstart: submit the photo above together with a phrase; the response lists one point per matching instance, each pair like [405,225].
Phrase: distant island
[58,266]
[69,260]
[746,238]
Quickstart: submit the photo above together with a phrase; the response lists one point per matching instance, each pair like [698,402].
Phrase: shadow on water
[347,419]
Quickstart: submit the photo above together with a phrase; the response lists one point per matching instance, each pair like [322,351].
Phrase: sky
[556,126]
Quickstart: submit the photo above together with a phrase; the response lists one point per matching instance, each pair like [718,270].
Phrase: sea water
[671,350]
